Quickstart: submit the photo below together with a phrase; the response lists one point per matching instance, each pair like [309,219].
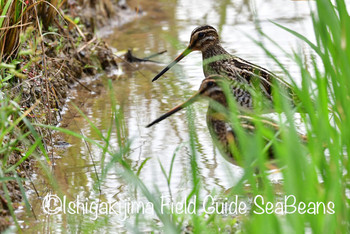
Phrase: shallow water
[165,25]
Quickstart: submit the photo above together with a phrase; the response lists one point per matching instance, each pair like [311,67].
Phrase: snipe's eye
[210,83]
[200,35]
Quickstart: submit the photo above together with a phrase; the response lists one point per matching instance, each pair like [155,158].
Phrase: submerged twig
[132,59]
[155,55]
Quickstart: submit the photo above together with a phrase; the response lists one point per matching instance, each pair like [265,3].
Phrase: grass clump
[42,51]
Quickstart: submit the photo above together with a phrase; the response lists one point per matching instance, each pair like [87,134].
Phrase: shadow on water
[165,25]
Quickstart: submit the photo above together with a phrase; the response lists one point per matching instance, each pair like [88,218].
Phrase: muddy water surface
[165,25]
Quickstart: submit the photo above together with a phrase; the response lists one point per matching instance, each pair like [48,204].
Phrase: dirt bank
[61,52]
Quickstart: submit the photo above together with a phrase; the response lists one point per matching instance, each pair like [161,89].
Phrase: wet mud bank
[59,61]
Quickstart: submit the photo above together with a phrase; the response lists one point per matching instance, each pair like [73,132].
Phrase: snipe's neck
[213,50]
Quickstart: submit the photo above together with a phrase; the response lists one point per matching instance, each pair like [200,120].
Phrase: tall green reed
[316,171]
[18,140]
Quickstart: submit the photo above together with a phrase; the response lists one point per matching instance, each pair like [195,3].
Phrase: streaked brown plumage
[220,129]
[247,76]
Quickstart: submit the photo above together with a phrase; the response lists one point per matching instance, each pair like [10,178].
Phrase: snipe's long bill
[216,60]
[176,60]
[210,86]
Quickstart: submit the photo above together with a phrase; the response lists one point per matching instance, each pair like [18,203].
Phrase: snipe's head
[210,87]
[201,38]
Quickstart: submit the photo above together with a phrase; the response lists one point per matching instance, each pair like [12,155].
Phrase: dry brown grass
[17,16]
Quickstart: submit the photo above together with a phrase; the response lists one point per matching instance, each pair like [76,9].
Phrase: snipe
[219,128]
[216,60]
